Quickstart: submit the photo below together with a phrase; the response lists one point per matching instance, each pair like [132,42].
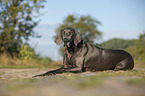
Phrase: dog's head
[68,36]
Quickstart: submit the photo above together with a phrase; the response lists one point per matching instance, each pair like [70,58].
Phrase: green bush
[26,52]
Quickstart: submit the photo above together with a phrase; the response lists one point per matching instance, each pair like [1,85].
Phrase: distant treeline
[117,43]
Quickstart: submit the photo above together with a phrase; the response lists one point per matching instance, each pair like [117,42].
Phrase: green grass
[139,63]
[138,81]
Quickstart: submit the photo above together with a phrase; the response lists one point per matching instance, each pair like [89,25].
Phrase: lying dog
[80,56]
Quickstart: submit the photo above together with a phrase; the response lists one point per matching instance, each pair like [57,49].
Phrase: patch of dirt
[19,73]
[19,82]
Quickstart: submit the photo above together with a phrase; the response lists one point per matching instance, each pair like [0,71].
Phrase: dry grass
[8,62]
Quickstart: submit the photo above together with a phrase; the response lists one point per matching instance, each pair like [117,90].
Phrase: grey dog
[81,56]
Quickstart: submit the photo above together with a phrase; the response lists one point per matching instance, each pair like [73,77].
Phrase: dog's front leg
[52,72]
[60,71]
[73,70]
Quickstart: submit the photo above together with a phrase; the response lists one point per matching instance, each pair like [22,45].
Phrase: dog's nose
[65,40]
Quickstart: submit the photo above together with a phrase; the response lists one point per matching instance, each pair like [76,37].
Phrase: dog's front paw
[45,74]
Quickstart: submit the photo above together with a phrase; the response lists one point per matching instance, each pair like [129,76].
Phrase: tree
[142,38]
[141,46]
[17,23]
[86,26]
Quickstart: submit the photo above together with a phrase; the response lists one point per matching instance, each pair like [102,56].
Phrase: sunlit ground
[19,82]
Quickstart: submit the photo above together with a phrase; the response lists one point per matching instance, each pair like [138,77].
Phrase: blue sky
[120,19]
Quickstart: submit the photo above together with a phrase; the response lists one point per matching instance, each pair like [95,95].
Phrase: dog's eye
[69,33]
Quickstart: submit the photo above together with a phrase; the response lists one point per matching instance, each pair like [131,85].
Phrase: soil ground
[19,82]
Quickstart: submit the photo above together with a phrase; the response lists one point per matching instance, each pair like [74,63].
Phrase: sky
[120,19]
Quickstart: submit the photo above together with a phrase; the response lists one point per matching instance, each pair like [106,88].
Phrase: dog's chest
[75,59]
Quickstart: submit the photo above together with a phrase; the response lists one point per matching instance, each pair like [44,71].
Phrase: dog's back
[104,59]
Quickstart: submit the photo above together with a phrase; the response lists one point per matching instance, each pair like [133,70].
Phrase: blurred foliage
[61,51]
[138,51]
[85,25]
[141,46]
[40,62]
[27,53]
[17,23]
[119,43]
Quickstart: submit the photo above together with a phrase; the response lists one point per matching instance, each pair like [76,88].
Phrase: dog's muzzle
[66,42]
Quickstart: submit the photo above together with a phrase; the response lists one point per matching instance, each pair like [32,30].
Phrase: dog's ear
[58,38]
[77,38]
